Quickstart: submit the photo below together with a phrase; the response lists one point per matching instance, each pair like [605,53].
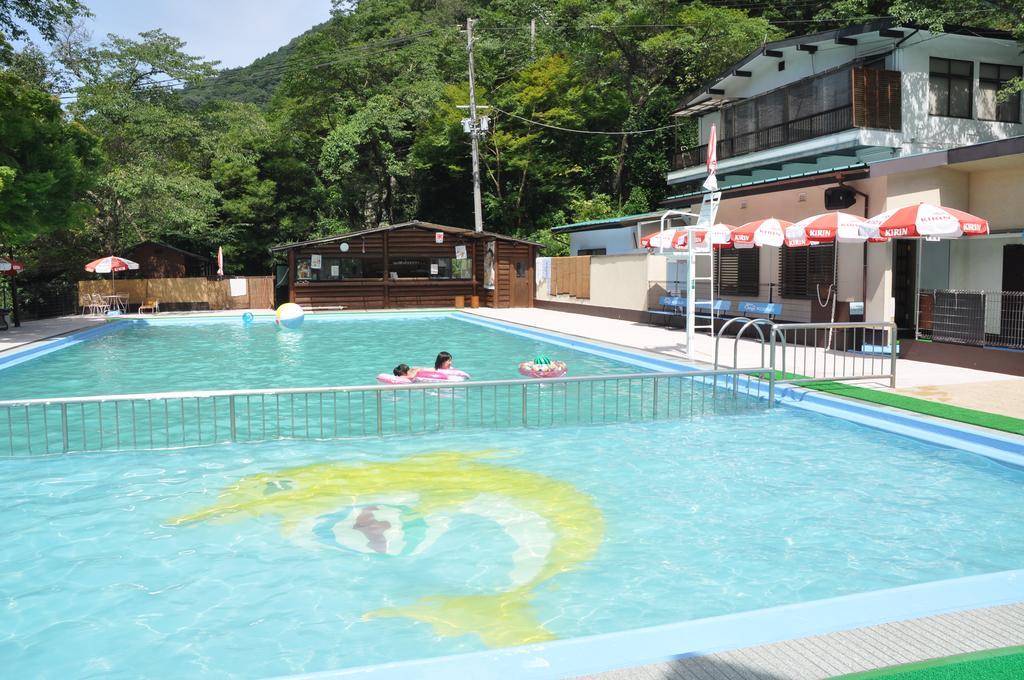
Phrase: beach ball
[247,318]
[290,316]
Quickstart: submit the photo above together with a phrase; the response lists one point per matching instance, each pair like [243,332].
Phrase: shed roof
[429,226]
[204,258]
[607,222]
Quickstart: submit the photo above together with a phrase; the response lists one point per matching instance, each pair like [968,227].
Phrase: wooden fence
[571,276]
[186,293]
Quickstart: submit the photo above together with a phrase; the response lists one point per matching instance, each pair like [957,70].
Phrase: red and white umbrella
[10,267]
[833,227]
[767,232]
[926,221]
[109,265]
[220,261]
[676,238]
[667,238]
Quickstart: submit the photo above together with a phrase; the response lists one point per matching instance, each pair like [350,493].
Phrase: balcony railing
[875,97]
[771,137]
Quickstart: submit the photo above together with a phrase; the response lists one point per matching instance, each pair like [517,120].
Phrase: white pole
[691,285]
[478,219]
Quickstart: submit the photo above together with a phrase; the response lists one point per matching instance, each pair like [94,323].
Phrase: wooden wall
[157,262]
[571,276]
[187,293]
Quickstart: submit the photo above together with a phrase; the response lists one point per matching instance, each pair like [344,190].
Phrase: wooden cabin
[161,261]
[412,264]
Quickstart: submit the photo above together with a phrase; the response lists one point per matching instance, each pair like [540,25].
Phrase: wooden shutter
[802,269]
[583,287]
[877,98]
[793,272]
[571,276]
[738,271]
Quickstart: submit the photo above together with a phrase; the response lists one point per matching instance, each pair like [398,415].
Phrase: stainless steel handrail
[756,323]
[721,331]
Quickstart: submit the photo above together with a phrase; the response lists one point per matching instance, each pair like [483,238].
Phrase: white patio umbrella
[928,222]
[109,265]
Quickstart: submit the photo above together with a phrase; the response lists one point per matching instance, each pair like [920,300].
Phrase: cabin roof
[429,226]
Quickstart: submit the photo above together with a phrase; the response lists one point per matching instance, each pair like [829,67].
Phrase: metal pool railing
[813,352]
[181,419]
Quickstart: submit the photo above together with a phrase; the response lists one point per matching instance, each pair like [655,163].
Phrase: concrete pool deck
[965,387]
[45,329]
[849,651]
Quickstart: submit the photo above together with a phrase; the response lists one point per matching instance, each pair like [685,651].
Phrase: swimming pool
[326,555]
[224,354]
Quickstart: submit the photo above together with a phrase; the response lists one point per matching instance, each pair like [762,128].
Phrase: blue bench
[675,305]
[769,309]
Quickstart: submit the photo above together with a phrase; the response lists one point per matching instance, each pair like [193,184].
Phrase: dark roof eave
[459,231]
[821,36]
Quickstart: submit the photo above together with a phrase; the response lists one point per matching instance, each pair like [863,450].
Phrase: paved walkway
[965,387]
[44,329]
[861,649]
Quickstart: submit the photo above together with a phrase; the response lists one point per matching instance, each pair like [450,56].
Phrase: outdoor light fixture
[343,247]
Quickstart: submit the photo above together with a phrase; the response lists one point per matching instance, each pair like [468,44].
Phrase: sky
[234,32]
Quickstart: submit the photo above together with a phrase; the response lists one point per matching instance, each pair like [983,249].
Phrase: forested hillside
[356,122]
[252,84]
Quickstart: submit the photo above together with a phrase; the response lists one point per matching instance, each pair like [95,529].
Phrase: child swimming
[404,371]
[443,361]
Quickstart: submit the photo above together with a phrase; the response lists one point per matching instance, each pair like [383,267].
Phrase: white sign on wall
[460,252]
[433,270]
[335,270]
[315,261]
[438,237]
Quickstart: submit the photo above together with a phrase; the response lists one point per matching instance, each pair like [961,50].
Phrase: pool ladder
[756,324]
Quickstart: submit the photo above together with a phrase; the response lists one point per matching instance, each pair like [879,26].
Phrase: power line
[584,132]
[352,54]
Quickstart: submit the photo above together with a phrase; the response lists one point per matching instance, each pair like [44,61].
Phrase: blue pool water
[229,355]
[130,565]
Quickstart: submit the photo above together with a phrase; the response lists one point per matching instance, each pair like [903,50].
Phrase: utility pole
[474,132]
[533,36]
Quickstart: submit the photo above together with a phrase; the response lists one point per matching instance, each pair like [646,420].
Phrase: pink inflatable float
[425,376]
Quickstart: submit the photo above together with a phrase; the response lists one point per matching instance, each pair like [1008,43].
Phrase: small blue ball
[247,318]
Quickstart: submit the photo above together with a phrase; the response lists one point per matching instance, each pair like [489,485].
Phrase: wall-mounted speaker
[839,198]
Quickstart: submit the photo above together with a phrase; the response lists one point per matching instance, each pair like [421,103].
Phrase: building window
[592,251]
[950,83]
[738,271]
[345,268]
[339,269]
[802,269]
[991,78]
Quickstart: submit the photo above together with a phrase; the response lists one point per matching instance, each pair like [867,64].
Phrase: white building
[898,114]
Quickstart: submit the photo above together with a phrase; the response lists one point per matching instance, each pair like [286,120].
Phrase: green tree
[46,163]
[45,15]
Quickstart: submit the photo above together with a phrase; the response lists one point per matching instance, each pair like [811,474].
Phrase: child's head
[443,360]
[401,370]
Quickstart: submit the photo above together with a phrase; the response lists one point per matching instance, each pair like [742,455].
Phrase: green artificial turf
[993,421]
[993,664]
